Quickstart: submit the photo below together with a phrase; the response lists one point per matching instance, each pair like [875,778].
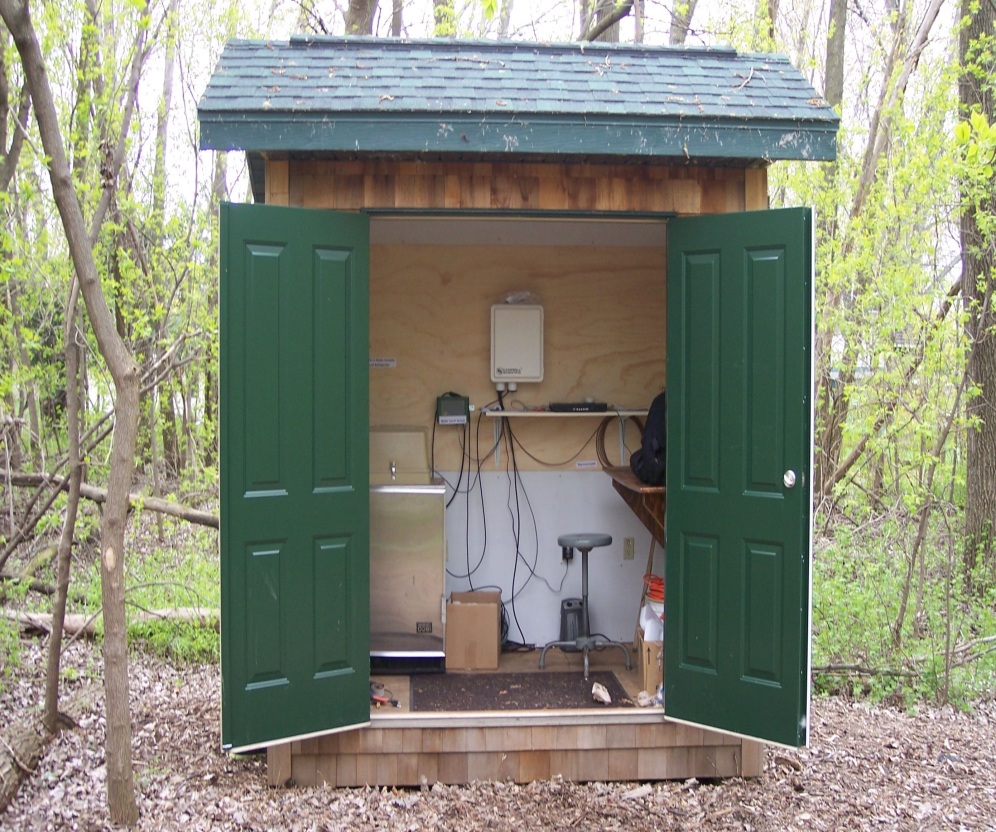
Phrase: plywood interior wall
[605,304]
[605,334]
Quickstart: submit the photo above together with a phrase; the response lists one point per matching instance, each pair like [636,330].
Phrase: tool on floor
[379,695]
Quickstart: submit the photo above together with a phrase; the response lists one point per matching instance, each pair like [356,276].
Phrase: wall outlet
[629,548]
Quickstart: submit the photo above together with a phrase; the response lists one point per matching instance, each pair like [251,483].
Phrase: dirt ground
[866,768]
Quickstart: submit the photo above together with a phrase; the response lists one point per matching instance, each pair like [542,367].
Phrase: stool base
[584,644]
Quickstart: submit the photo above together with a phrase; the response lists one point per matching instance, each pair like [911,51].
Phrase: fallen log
[41,622]
[20,752]
[33,585]
[206,617]
[23,743]
[99,495]
[86,625]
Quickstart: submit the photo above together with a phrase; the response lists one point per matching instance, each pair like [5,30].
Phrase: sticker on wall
[586,464]
[385,363]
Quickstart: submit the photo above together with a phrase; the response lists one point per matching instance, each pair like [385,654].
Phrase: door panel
[294,473]
[739,417]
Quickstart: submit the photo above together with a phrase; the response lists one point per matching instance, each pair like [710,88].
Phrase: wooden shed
[402,189]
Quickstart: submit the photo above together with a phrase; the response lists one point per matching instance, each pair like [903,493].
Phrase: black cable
[587,442]
[456,488]
[532,567]
[468,575]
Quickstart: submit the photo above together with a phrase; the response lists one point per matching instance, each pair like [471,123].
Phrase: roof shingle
[380,95]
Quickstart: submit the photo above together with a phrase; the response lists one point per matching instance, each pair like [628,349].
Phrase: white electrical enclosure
[516,342]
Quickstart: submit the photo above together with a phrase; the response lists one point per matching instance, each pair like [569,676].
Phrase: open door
[740,330]
[294,473]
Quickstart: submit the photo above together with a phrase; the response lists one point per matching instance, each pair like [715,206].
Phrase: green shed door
[294,473]
[739,468]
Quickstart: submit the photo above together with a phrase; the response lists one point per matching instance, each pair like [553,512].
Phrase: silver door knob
[789,478]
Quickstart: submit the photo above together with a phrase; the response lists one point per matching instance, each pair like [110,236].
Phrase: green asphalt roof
[522,99]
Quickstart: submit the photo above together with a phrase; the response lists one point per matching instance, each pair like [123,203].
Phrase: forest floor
[867,767]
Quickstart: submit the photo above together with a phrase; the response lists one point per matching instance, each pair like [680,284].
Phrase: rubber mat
[540,690]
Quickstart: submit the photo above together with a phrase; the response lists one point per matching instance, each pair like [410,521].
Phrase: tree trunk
[923,514]
[833,84]
[170,443]
[34,438]
[681,20]
[584,16]
[219,193]
[8,167]
[504,19]
[397,18]
[360,17]
[65,556]
[605,27]
[978,262]
[772,20]
[121,803]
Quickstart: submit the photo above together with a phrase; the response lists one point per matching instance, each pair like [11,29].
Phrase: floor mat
[512,691]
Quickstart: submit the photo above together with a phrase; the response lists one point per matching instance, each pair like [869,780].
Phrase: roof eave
[677,137]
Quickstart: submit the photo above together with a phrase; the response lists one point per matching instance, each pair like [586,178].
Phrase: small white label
[586,464]
[385,363]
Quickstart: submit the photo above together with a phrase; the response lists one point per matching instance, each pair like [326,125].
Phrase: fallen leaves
[867,768]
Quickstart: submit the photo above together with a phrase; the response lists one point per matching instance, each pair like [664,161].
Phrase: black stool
[585,641]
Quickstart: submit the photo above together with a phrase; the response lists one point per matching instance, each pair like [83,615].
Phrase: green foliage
[10,634]
[167,579]
[975,139]
[186,575]
[177,640]
[445,18]
[858,579]
[890,349]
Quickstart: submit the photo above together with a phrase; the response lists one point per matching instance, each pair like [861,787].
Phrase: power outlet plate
[629,548]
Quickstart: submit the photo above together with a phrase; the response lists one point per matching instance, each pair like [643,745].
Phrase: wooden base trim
[389,755]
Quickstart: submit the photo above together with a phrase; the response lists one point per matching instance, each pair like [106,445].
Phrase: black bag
[649,461]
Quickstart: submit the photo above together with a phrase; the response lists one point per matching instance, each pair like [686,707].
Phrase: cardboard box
[651,662]
[473,630]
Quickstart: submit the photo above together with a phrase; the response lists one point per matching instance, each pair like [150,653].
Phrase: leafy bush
[859,577]
[10,635]
[186,574]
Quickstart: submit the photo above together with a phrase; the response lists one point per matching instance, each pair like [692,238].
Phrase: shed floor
[527,661]
[404,748]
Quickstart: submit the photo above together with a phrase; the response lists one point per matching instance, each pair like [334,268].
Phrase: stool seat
[584,641]
[584,541]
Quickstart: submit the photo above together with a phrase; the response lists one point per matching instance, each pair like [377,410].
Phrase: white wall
[561,502]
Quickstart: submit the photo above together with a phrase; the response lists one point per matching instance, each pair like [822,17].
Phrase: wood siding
[399,753]
[353,185]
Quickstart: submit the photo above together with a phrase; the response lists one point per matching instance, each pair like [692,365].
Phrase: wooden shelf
[547,414]
[621,414]
[648,502]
